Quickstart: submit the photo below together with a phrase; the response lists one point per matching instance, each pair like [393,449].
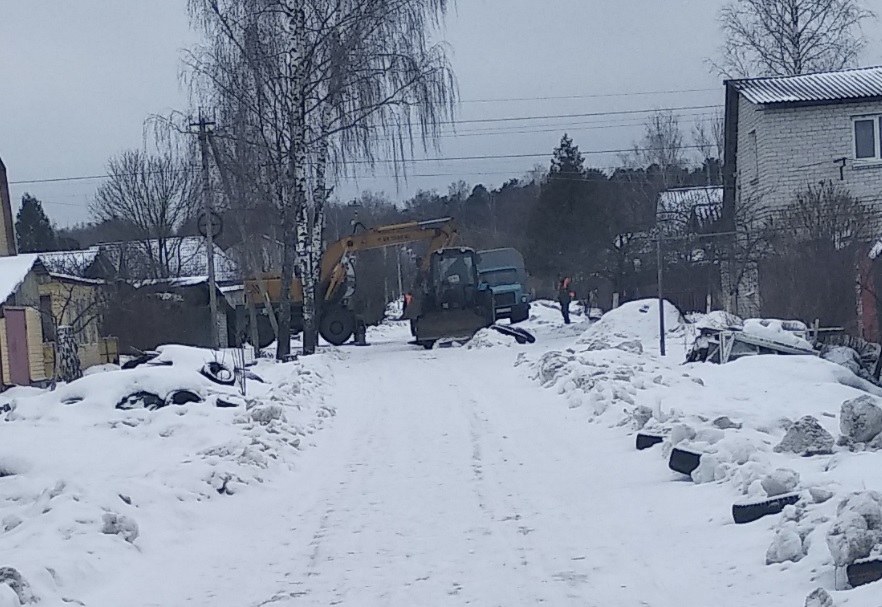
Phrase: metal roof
[813,88]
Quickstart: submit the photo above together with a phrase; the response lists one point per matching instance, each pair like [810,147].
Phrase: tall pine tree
[33,228]
[564,233]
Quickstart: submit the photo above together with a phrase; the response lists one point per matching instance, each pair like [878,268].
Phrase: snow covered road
[449,478]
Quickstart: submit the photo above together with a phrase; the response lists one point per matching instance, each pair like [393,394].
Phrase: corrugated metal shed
[813,88]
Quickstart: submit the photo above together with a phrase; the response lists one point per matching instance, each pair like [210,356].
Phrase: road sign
[217,225]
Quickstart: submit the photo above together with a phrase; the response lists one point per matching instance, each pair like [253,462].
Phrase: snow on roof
[13,271]
[855,84]
[188,256]
[69,262]
[183,281]
[678,205]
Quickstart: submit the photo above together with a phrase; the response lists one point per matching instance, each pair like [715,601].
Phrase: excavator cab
[450,300]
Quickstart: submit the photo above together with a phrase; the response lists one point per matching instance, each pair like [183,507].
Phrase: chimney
[7,232]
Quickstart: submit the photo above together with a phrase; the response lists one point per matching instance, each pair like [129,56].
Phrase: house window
[867,137]
[755,151]
[46,318]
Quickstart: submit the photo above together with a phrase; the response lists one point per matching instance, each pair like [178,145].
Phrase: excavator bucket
[449,324]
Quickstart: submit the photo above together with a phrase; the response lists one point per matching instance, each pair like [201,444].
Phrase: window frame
[876,119]
[753,142]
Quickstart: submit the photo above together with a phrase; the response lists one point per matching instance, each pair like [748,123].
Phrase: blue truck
[504,273]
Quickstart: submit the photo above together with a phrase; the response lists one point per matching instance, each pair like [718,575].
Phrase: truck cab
[504,273]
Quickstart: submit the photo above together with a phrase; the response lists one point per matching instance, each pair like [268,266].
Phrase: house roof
[188,257]
[13,271]
[71,263]
[863,83]
[678,204]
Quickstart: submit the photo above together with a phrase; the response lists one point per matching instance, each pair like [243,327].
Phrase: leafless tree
[790,37]
[708,136]
[811,271]
[662,148]
[152,194]
[308,86]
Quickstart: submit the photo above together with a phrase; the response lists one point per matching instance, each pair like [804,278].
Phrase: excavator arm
[439,232]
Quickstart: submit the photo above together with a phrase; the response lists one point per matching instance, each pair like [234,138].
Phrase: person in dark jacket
[565,295]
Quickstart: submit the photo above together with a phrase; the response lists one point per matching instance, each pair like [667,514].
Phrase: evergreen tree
[565,231]
[33,228]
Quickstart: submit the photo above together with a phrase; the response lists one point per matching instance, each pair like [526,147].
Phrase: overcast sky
[78,78]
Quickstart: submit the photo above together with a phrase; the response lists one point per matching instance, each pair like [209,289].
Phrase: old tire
[139,360]
[182,397]
[141,400]
[684,461]
[866,572]
[645,441]
[337,325]
[218,373]
[747,513]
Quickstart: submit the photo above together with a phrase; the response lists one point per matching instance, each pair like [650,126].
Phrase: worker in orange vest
[565,295]
[407,299]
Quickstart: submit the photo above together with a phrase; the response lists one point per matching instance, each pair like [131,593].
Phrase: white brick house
[784,133]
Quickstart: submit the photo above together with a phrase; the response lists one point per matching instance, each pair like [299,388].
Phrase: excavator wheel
[337,325]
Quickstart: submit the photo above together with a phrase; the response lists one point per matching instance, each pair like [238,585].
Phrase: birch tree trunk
[306,262]
[312,306]
[295,192]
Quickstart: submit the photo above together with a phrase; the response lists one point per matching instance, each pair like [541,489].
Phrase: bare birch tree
[317,85]
[790,37]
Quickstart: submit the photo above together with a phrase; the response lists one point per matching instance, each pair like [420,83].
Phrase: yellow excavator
[336,319]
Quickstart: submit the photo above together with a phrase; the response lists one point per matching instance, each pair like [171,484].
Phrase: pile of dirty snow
[84,485]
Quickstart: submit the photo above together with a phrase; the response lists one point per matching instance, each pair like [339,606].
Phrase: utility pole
[208,212]
[661,295]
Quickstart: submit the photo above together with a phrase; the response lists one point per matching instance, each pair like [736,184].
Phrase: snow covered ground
[488,474]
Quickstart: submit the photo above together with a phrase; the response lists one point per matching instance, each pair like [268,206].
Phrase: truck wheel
[337,325]
[520,314]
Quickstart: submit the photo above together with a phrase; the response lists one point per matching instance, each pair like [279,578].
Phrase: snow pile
[635,321]
[806,437]
[763,425]
[489,338]
[718,320]
[107,479]
[790,332]
[843,356]
[857,533]
[860,421]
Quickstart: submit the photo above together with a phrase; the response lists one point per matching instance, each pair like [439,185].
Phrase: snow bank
[635,321]
[765,425]
[87,483]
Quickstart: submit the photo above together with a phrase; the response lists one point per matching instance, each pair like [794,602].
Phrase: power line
[592,96]
[584,115]
[544,154]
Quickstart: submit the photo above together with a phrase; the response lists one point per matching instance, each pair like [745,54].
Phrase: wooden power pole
[208,213]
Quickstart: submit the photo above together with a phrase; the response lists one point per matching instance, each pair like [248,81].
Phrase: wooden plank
[36,360]
[4,353]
